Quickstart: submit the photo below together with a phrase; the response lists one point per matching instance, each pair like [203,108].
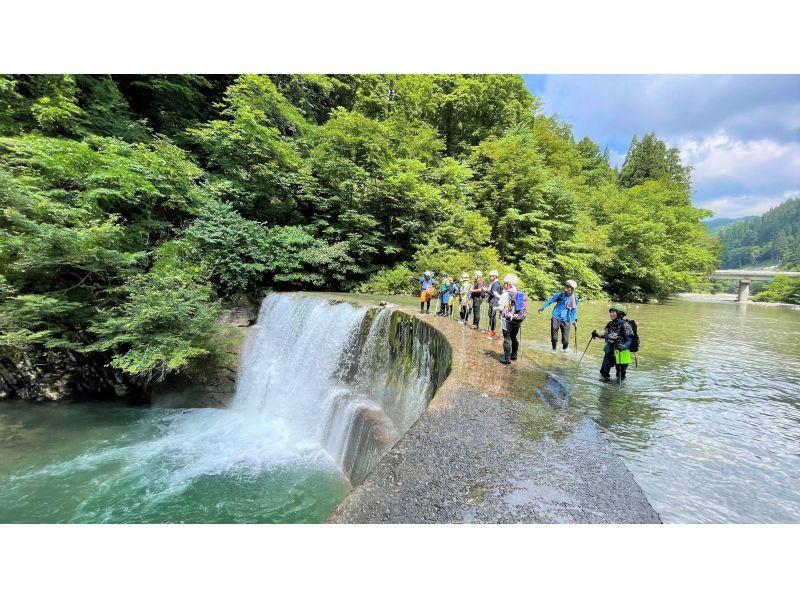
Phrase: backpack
[520,308]
[635,337]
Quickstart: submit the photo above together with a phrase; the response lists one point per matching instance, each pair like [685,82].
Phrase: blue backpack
[520,306]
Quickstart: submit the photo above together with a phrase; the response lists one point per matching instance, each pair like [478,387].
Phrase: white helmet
[465,276]
[478,274]
[572,283]
[493,273]
[511,279]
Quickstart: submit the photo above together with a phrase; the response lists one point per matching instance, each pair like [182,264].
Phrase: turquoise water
[709,425]
[103,463]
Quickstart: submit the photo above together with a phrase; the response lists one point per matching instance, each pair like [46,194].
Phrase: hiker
[454,289]
[565,313]
[495,290]
[618,334]
[463,298]
[444,296]
[476,291]
[514,307]
[427,287]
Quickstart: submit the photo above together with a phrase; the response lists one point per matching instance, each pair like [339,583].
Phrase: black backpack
[635,337]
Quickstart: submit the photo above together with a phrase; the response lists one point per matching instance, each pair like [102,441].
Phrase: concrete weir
[497,444]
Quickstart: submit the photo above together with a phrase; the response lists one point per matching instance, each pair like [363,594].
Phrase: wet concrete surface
[497,444]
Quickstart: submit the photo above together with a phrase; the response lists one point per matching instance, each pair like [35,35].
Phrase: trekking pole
[586,349]
[576,337]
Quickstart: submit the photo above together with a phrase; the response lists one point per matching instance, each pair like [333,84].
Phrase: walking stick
[576,337]
[586,349]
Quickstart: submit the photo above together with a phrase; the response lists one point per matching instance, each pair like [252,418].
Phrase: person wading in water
[514,306]
[565,313]
[476,292]
[619,335]
[427,287]
[444,296]
[495,290]
[463,298]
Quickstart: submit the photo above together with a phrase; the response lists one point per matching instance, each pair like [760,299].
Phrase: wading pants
[492,318]
[555,326]
[510,342]
[476,312]
[610,362]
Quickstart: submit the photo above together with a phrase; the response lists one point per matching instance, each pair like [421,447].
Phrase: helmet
[444,273]
[619,308]
[493,273]
[465,276]
[572,283]
[478,274]
[511,279]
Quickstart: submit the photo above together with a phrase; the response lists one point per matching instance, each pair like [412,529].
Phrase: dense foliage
[132,204]
[772,237]
[784,289]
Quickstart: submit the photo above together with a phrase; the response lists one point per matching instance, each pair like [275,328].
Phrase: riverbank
[497,445]
[732,298]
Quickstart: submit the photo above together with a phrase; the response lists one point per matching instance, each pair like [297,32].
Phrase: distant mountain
[714,224]
[773,237]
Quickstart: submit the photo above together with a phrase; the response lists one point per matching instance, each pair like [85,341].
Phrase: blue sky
[740,133]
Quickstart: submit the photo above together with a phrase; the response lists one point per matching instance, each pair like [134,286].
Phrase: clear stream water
[709,425]
[315,408]
[709,422]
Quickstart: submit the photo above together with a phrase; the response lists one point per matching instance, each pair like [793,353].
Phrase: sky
[740,133]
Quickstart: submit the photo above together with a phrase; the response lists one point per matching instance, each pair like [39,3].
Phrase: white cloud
[736,206]
[720,156]
[617,106]
[740,133]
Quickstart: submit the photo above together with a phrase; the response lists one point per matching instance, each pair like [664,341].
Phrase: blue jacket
[560,311]
[426,282]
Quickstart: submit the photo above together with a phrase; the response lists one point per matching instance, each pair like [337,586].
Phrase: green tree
[651,160]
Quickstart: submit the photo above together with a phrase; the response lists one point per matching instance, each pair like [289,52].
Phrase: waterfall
[324,389]
[332,376]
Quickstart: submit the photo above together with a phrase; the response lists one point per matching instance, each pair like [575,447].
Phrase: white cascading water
[320,391]
[305,374]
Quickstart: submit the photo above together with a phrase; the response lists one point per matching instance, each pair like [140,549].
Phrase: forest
[774,236]
[133,205]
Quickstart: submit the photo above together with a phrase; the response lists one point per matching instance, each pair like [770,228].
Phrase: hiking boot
[513,358]
[505,361]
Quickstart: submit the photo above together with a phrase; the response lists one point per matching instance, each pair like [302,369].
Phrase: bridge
[745,277]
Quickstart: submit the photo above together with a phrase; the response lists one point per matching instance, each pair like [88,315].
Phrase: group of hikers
[620,335]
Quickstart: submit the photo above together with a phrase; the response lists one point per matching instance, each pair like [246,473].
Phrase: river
[709,421]
[709,425]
